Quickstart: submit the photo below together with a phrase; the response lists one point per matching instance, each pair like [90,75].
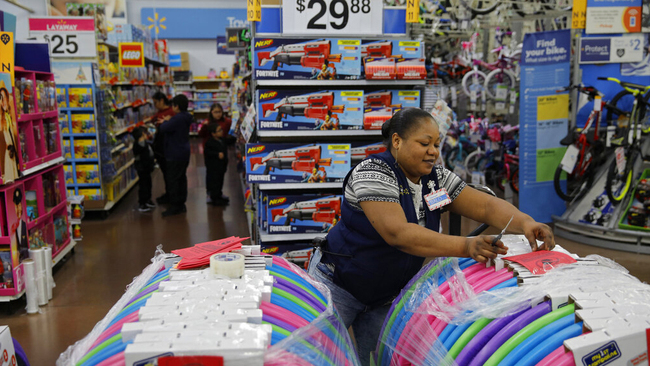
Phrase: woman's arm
[496,212]
[390,222]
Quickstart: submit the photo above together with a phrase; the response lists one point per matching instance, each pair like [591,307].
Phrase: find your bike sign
[131,54]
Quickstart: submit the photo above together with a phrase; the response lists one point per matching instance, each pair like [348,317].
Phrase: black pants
[144,186]
[214,181]
[162,163]
[177,182]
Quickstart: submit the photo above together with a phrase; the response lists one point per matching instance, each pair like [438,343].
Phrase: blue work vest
[365,265]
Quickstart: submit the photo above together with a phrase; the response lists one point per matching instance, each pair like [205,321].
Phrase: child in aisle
[164,109]
[215,153]
[144,165]
[216,117]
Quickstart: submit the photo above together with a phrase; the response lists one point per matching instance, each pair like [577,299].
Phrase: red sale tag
[541,261]
[191,360]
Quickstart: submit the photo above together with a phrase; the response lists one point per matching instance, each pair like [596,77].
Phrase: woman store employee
[390,222]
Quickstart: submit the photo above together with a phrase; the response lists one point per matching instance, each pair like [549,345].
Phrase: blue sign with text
[183,23]
[594,50]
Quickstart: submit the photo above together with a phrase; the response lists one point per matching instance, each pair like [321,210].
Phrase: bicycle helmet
[643,190]
[637,216]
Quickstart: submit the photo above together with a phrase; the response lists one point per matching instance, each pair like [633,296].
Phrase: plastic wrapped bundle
[459,312]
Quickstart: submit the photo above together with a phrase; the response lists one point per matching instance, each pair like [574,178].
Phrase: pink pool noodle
[283,314]
[115,360]
[117,326]
[552,357]
[565,360]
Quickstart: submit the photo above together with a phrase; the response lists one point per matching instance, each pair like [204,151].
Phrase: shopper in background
[144,164]
[161,103]
[176,132]
[390,221]
[216,117]
[215,153]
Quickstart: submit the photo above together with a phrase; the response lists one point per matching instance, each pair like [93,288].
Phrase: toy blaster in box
[381,105]
[83,123]
[286,163]
[359,153]
[303,214]
[319,110]
[411,69]
[85,149]
[380,58]
[295,252]
[87,173]
[321,59]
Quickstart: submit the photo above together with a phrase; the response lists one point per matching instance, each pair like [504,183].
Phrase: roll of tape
[29,266]
[230,265]
[49,280]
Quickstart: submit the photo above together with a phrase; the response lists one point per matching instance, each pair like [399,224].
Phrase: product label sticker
[603,355]
[570,158]
[437,199]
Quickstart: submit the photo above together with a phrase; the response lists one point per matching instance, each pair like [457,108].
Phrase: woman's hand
[480,248]
[537,231]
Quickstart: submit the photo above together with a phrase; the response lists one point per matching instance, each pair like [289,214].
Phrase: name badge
[437,199]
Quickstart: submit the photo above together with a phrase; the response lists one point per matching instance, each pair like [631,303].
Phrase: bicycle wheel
[576,184]
[532,7]
[514,179]
[618,183]
[562,5]
[474,82]
[455,157]
[480,7]
[497,78]
[473,158]
[624,101]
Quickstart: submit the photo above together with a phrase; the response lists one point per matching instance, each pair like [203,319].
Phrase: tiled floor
[116,249]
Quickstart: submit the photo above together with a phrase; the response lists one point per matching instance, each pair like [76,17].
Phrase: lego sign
[67,36]
[131,54]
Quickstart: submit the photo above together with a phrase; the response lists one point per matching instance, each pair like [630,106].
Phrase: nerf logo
[277,201]
[271,250]
[268,95]
[263,43]
[232,39]
[256,149]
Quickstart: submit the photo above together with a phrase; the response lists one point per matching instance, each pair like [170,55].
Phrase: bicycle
[584,150]
[621,171]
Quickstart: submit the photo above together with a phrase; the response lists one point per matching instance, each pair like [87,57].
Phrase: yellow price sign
[254,10]
[412,11]
[579,14]
[7,54]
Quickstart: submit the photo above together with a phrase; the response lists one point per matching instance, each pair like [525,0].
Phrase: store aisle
[113,252]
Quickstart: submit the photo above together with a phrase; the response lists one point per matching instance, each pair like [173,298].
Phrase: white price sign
[332,17]
[67,36]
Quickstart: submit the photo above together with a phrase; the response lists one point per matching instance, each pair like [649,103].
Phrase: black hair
[160,96]
[212,127]
[137,133]
[181,102]
[402,123]
[216,105]
[18,196]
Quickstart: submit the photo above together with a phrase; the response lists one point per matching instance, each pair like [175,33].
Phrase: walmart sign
[177,23]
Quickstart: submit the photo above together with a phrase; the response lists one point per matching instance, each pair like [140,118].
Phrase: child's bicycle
[628,150]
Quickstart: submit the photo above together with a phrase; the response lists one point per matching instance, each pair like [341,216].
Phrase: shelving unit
[196,92]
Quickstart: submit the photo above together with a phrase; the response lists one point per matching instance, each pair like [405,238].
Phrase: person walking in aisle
[216,117]
[176,132]
[144,164]
[161,103]
[215,154]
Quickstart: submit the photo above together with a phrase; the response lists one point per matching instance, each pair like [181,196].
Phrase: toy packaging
[6,275]
[31,205]
[61,232]
[297,253]
[320,59]
[381,105]
[37,238]
[91,194]
[63,123]
[67,151]
[302,214]
[386,60]
[318,110]
[69,174]
[83,123]
[87,173]
[25,102]
[80,97]
[61,98]
[85,149]
[287,163]
[359,153]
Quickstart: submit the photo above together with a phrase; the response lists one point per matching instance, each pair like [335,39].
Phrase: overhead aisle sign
[67,36]
[613,16]
[544,118]
[332,17]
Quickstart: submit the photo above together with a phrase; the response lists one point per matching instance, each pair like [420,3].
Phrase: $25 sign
[343,17]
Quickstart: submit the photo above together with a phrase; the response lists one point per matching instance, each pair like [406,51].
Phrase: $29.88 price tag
[332,17]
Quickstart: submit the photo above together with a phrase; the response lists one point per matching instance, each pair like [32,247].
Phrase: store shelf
[138,103]
[225,99]
[309,82]
[85,109]
[318,133]
[79,134]
[118,148]
[289,237]
[194,133]
[91,160]
[125,129]
[212,90]
[62,253]
[273,186]
[12,298]
[182,82]
[210,80]
[201,110]
[41,115]
[85,185]
[45,165]
[110,204]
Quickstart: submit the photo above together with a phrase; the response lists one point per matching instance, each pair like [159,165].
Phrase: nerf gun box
[382,60]
[287,163]
[318,110]
[303,214]
[320,59]
[381,105]
[295,252]
[359,153]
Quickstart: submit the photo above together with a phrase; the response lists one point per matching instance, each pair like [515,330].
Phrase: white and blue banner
[544,117]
